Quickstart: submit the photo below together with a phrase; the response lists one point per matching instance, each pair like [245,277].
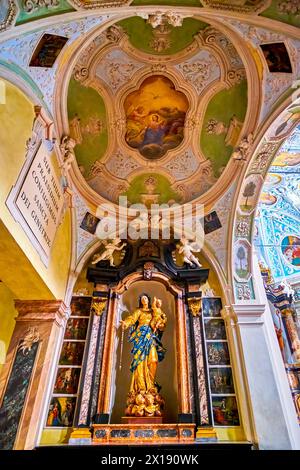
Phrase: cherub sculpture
[109,248]
[187,248]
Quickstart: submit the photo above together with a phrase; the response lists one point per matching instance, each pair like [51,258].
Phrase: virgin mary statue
[146,324]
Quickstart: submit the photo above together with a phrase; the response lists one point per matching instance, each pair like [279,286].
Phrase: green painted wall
[86,102]
[163,188]
[42,12]
[273,13]
[222,107]
[141,34]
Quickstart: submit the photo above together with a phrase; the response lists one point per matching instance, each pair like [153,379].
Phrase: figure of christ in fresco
[146,324]
[155,116]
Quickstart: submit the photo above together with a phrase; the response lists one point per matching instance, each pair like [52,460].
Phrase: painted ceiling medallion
[155,116]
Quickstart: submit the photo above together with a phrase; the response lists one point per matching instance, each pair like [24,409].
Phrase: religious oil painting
[225,411]
[277,57]
[80,306]
[214,329]
[155,116]
[61,412]
[212,307]
[76,328]
[89,223]
[211,222]
[67,379]
[220,379]
[47,50]
[72,353]
[290,247]
[217,353]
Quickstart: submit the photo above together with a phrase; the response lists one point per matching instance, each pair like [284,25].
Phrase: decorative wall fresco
[242,257]
[278,216]
[155,116]
[151,189]
[214,329]
[88,127]
[217,353]
[221,380]
[66,380]
[165,38]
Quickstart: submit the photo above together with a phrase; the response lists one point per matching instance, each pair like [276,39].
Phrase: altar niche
[166,375]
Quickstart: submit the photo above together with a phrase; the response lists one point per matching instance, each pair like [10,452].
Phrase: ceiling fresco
[278,218]
[179,115]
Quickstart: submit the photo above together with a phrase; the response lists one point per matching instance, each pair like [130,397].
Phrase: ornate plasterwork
[122,165]
[20,49]
[218,239]
[200,70]
[84,238]
[243,6]
[274,84]
[31,6]
[183,165]
[8,12]
[93,4]
[113,67]
[116,68]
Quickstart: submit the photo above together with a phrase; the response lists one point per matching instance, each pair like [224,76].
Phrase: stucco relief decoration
[148,105]
[33,5]
[240,6]
[93,4]
[8,12]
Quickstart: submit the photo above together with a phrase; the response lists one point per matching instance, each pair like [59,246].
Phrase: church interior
[150,223]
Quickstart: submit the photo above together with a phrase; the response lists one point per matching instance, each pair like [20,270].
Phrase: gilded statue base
[142,420]
[143,433]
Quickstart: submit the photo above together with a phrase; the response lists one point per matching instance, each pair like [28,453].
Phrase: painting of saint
[72,353]
[217,353]
[277,57]
[81,306]
[67,379]
[155,116]
[212,307]
[220,379]
[290,247]
[76,328]
[89,223]
[214,329]
[47,50]
[61,412]
[225,411]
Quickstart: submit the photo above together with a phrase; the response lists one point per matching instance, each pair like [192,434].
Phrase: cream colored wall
[16,118]
[7,320]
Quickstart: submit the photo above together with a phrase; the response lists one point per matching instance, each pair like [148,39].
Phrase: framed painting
[277,57]
[221,381]
[47,50]
[71,353]
[76,328]
[81,306]
[212,307]
[214,329]
[89,223]
[225,411]
[217,353]
[61,412]
[67,379]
